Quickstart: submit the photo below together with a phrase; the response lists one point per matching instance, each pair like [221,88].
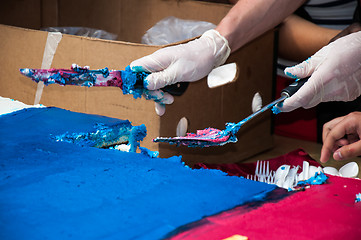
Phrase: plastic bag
[83,31]
[172,29]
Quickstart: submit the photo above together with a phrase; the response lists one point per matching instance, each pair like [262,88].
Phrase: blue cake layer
[61,190]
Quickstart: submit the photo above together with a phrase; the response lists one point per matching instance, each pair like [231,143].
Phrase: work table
[283,145]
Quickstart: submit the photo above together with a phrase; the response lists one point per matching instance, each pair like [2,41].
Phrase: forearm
[300,39]
[249,19]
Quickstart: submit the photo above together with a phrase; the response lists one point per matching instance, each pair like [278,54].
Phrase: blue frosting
[290,75]
[138,133]
[102,135]
[358,197]
[318,179]
[276,110]
[82,77]
[61,190]
[141,69]
[149,153]
[131,79]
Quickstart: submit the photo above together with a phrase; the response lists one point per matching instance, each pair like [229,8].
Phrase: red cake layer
[327,211]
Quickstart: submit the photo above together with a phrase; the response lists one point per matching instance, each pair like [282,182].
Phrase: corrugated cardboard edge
[24,48]
[110,101]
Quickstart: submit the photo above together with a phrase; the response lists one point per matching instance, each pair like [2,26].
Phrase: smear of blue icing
[317,179]
[205,141]
[290,75]
[60,190]
[358,197]
[138,69]
[106,136]
[133,82]
[149,153]
[276,110]
[101,136]
[138,133]
[88,77]
[142,69]
[146,83]
[217,138]
[234,127]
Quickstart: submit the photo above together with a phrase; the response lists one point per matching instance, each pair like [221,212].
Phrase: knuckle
[348,151]
[354,116]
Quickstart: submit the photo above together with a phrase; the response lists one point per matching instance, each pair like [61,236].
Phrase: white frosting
[8,105]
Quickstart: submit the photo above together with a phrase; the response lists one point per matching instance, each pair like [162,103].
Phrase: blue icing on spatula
[214,137]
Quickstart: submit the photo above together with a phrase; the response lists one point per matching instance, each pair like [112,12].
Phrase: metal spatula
[214,137]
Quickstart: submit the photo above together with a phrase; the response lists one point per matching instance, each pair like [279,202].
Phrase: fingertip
[337,155]
[323,159]
[294,71]
[325,154]
[155,81]
[159,109]
[167,98]
[348,151]
[288,72]
[148,82]
[134,64]
[137,68]
[289,105]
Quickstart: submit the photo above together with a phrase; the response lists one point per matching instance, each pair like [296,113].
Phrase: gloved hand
[184,62]
[160,98]
[335,74]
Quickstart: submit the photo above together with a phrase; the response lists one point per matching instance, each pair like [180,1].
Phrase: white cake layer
[8,105]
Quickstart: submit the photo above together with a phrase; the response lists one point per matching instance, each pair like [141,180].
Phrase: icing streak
[105,136]
[131,82]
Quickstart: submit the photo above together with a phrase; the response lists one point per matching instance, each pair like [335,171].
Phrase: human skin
[248,19]
[354,27]
[299,38]
[341,138]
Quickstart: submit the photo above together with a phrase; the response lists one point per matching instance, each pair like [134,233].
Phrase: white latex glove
[184,62]
[160,98]
[335,72]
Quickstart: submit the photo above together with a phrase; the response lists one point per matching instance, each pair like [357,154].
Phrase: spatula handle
[176,89]
[293,87]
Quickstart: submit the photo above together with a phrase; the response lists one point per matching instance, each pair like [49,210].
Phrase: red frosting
[324,211]
[327,211]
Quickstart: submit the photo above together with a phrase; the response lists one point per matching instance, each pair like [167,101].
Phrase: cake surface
[53,189]
[62,190]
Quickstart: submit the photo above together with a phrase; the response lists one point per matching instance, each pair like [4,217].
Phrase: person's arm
[341,138]
[300,38]
[194,60]
[249,19]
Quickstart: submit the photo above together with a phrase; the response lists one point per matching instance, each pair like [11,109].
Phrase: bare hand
[341,137]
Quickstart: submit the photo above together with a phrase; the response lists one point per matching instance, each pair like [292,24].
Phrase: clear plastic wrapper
[83,31]
[172,29]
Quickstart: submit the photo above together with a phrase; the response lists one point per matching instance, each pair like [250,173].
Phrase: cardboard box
[203,107]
